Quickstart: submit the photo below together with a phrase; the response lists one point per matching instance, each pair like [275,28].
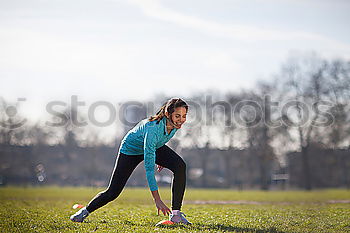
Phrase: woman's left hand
[159,168]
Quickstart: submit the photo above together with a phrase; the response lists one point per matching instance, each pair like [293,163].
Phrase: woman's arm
[159,203]
[150,157]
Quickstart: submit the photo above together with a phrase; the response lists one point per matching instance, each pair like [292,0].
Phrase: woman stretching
[146,141]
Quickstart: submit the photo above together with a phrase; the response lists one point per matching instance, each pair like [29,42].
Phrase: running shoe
[179,218]
[80,215]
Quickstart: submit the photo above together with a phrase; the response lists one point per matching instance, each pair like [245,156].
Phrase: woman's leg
[167,158]
[123,168]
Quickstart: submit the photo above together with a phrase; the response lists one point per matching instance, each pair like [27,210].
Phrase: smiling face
[178,117]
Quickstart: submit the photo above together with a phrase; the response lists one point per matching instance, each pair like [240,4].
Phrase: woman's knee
[181,166]
[110,195]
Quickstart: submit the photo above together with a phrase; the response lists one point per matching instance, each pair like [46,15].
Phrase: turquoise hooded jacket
[144,139]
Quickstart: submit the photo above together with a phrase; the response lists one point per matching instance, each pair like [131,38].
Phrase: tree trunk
[306,168]
[264,179]
[264,155]
[227,158]
[204,161]
[345,175]
[204,174]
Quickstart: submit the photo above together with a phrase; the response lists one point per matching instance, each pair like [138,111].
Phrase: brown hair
[169,107]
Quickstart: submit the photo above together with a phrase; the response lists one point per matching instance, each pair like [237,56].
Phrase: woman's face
[179,116]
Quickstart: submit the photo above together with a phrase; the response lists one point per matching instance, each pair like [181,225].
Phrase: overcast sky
[132,49]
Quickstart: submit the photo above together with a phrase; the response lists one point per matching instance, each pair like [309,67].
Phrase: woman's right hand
[162,207]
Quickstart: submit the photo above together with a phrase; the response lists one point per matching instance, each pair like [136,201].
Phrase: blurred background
[267,82]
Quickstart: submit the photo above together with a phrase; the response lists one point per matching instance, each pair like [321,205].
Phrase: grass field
[48,210]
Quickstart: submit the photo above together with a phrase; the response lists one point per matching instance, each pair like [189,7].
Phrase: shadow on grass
[234,228]
[220,227]
[211,227]
[172,226]
[126,222]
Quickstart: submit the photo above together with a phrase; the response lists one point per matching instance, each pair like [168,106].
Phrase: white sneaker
[80,215]
[179,218]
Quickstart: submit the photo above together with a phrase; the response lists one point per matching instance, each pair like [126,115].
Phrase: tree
[337,80]
[302,84]
[255,113]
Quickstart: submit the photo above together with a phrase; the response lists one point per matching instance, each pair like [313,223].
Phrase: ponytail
[169,107]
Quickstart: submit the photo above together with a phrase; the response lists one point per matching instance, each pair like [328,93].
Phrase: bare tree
[230,134]
[302,84]
[255,114]
[337,80]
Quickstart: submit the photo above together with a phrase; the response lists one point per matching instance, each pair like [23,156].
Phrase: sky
[119,50]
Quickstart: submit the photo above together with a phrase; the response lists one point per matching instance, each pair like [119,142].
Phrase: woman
[146,141]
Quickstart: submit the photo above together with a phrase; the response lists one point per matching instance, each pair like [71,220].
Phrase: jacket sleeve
[150,157]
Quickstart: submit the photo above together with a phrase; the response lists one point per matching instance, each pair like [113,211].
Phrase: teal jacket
[145,138]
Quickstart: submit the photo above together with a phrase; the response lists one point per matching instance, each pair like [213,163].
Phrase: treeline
[293,130]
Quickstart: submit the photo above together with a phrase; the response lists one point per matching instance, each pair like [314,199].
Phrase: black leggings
[126,164]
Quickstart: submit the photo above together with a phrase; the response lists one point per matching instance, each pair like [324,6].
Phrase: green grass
[48,209]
